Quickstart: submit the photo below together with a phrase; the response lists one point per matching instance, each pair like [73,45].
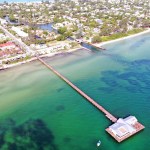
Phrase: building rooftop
[124,128]
[7,44]
[19,32]
[121,127]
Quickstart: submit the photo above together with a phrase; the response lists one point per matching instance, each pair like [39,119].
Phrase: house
[99,21]
[8,45]
[3,21]
[2,36]
[123,127]
[19,32]
[96,30]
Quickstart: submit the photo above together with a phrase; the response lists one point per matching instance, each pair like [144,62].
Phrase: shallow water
[33,98]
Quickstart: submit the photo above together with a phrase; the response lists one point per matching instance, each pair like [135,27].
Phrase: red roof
[7,44]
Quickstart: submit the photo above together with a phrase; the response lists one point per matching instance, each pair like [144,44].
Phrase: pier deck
[138,126]
[107,114]
[100,47]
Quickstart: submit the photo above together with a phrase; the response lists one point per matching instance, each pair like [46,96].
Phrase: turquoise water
[40,112]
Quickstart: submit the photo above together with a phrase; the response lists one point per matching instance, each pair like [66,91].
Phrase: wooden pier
[107,114]
[100,48]
[138,126]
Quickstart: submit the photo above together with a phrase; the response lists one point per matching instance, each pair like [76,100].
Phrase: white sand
[34,58]
[71,50]
[120,39]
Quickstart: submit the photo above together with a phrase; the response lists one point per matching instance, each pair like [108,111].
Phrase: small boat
[98,143]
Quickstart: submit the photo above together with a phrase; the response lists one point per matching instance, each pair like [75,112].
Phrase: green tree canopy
[96,39]
[61,38]
[62,30]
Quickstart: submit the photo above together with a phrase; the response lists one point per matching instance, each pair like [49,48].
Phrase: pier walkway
[107,114]
[99,48]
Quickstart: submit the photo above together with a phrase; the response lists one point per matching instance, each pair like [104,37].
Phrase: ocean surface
[38,111]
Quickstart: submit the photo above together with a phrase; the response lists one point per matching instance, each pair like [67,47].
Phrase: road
[19,42]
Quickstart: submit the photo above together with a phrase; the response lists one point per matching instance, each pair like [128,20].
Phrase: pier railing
[107,114]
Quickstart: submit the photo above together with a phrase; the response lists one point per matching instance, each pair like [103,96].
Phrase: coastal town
[46,27]
[80,92]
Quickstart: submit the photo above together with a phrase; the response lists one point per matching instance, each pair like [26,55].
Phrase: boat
[98,143]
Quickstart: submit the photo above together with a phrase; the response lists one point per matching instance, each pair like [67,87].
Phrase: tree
[96,39]
[12,18]
[57,19]
[45,32]
[61,38]
[62,30]
[68,34]
[123,24]
[146,23]
[74,28]
[106,31]
[1,13]
[93,24]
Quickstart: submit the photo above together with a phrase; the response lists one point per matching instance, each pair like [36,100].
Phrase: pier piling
[98,106]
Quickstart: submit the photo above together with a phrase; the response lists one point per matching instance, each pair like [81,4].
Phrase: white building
[8,45]
[3,21]
[123,126]
[131,120]
[19,32]
[2,36]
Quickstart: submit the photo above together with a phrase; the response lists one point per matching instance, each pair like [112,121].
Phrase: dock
[98,106]
[138,126]
[125,127]
[100,48]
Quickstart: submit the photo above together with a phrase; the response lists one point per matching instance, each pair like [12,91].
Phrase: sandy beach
[71,50]
[41,56]
[120,39]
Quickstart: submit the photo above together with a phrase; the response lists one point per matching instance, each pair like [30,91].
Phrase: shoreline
[41,56]
[72,50]
[123,38]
